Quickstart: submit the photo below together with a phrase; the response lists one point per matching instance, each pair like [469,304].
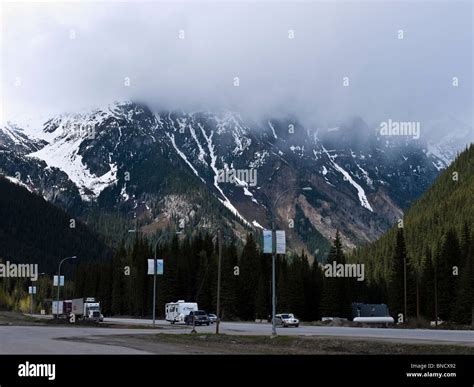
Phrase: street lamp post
[31,303]
[154,271]
[59,282]
[405,319]
[219,282]
[274,254]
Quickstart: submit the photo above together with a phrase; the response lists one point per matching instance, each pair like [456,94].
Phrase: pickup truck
[200,318]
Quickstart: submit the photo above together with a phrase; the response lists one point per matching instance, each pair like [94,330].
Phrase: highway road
[47,340]
[40,339]
[248,328]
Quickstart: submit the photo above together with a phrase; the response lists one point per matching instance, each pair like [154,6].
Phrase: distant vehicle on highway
[212,318]
[287,320]
[82,309]
[176,312]
[88,309]
[200,318]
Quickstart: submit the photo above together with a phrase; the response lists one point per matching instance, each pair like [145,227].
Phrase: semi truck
[88,309]
[82,309]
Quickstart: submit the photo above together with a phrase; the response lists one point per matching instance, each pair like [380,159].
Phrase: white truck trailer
[88,309]
[176,312]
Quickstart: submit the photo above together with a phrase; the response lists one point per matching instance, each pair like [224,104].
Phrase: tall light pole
[154,270]
[219,282]
[274,253]
[59,281]
[405,317]
[33,292]
[31,303]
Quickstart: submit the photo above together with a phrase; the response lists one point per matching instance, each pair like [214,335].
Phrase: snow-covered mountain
[207,167]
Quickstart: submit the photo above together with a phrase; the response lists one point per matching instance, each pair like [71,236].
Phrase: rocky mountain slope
[201,169]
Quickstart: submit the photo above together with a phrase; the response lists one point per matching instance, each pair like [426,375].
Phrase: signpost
[155,267]
[57,307]
[61,280]
[280,242]
[159,267]
[267,241]
[274,242]
[278,246]
[31,290]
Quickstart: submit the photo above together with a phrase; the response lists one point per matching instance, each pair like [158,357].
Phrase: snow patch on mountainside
[273,130]
[63,154]
[226,202]
[202,154]
[183,156]
[11,134]
[259,159]
[14,180]
[436,151]
[364,202]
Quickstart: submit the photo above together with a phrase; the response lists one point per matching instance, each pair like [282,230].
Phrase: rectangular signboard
[55,281]
[280,242]
[159,267]
[267,241]
[55,307]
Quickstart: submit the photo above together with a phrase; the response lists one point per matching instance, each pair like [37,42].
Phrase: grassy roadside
[283,345]
[16,318]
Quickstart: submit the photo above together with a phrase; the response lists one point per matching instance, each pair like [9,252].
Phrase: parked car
[287,320]
[212,318]
[200,318]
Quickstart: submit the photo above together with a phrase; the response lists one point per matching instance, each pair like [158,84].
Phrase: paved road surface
[43,340]
[47,339]
[405,335]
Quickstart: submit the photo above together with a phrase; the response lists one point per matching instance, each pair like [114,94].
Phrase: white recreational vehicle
[175,312]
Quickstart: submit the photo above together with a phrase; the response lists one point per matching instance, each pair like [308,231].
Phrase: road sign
[280,242]
[159,267]
[32,289]
[57,307]
[61,281]
[267,241]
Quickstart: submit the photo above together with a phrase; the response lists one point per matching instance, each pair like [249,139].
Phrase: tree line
[190,273]
[124,288]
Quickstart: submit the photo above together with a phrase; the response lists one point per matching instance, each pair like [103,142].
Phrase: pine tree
[248,279]
[336,300]
[316,292]
[229,282]
[428,287]
[447,259]
[396,283]
[118,286]
[463,311]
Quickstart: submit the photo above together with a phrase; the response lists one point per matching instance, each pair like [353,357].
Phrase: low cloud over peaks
[318,61]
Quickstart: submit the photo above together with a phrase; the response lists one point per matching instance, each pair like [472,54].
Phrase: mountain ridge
[79,160]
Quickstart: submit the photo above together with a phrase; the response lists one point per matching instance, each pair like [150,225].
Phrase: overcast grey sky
[46,71]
